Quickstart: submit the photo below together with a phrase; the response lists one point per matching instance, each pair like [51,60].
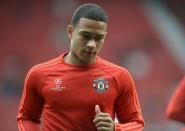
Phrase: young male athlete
[79,91]
[176,107]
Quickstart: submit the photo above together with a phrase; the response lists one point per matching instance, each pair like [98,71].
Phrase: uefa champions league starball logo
[100,85]
[58,86]
[58,81]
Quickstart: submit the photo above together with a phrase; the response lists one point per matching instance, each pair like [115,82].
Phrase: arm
[31,105]
[130,126]
[104,122]
[128,110]
[176,107]
[28,125]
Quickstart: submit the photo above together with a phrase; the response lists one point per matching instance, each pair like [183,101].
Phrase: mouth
[90,53]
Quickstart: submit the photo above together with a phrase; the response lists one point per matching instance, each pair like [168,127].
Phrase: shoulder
[111,67]
[122,76]
[44,67]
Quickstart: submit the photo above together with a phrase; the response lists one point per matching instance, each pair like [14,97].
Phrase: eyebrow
[86,32]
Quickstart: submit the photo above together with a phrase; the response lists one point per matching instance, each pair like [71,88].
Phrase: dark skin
[87,39]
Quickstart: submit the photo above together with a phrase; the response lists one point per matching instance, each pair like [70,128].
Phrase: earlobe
[69,31]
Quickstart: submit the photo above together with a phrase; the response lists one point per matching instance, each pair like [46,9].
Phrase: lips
[90,52]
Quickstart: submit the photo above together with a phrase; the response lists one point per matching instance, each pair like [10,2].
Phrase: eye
[87,37]
[98,38]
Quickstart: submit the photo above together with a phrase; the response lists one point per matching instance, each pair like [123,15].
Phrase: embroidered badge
[58,86]
[100,85]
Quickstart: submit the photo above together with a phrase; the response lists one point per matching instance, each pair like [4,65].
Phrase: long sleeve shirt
[63,97]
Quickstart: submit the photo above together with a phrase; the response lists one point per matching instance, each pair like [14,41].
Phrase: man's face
[87,39]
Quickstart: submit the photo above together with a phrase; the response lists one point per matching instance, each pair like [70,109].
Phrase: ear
[69,31]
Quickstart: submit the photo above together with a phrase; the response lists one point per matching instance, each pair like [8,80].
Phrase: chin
[88,60]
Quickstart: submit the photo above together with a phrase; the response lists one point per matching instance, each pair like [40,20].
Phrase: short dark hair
[89,11]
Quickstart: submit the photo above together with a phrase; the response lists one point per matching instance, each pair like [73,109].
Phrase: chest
[74,90]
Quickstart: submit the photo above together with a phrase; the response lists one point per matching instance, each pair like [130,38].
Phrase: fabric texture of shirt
[63,97]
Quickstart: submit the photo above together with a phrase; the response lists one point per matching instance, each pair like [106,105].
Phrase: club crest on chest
[100,85]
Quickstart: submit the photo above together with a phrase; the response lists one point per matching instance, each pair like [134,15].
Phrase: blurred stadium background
[145,36]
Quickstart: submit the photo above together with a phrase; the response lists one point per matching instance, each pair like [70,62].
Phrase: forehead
[88,25]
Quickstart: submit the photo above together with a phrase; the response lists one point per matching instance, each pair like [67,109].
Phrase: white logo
[58,86]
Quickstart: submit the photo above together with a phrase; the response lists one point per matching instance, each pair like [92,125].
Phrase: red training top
[66,96]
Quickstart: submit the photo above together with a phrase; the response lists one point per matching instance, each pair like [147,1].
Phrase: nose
[91,44]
